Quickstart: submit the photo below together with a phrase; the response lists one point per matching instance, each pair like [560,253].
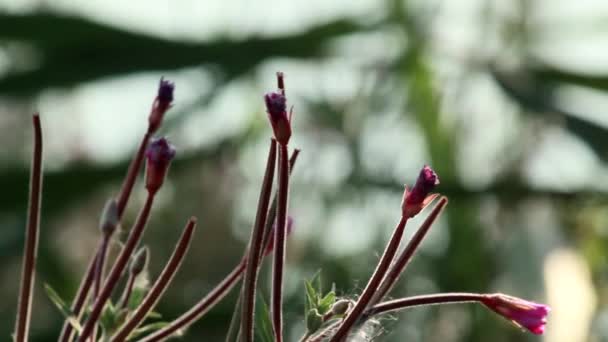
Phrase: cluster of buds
[327,317]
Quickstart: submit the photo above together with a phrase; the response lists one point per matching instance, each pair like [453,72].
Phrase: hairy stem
[119,266]
[404,258]
[372,286]
[202,307]
[255,248]
[31,238]
[159,287]
[279,245]
[434,299]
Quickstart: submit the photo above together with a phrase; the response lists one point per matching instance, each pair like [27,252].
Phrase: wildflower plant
[93,316]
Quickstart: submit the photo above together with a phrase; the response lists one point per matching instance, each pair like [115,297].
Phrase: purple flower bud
[161,104]
[165,91]
[159,155]
[276,106]
[420,195]
[529,315]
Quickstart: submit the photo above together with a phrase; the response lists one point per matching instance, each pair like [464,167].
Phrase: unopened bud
[314,320]
[276,107]
[420,195]
[161,104]
[341,307]
[139,262]
[159,155]
[109,218]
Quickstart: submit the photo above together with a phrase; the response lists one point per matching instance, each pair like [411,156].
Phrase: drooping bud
[139,262]
[276,107]
[270,245]
[161,104]
[109,218]
[525,314]
[420,195]
[159,155]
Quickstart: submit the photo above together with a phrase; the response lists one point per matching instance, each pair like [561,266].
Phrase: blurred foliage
[70,51]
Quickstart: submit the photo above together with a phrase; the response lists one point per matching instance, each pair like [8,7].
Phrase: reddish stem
[79,300]
[161,284]
[279,245]
[129,182]
[202,307]
[434,299]
[118,268]
[103,249]
[404,258]
[255,247]
[22,323]
[372,286]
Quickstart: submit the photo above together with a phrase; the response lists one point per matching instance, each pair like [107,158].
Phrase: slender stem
[202,307]
[26,291]
[372,286]
[161,284]
[129,182]
[404,258]
[124,302]
[279,245]
[79,300]
[434,299]
[255,247]
[103,249]
[118,268]
[234,330]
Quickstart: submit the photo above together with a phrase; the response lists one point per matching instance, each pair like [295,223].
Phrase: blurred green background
[505,99]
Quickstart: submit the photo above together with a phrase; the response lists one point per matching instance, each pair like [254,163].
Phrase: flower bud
[159,155]
[139,262]
[109,218]
[276,107]
[161,104]
[420,195]
[341,307]
[314,320]
[529,315]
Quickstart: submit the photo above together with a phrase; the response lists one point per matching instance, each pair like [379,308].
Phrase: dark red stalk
[161,284]
[103,249]
[129,182]
[118,268]
[256,245]
[372,286]
[79,300]
[279,245]
[405,303]
[202,307]
[26,291]
[404,258]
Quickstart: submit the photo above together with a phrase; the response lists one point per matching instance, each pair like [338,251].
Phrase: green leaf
[137,296]
[311,296]
[63,307]
[326,303]
[262,321]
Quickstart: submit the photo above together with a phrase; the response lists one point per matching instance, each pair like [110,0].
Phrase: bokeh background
[505,99]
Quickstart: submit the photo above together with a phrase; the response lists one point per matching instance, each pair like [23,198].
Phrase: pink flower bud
[161,104]
[420,195]
[276,107]
[159,155]
[529,315]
